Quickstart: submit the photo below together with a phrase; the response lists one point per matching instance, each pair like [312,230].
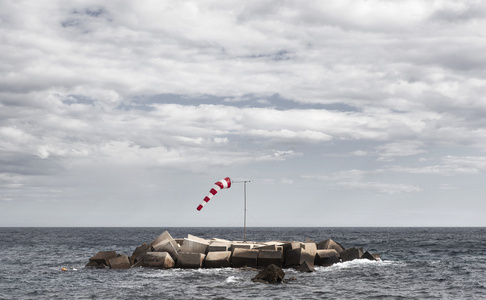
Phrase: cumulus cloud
[187,86]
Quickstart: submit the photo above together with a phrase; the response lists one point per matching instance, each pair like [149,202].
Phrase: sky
[339,113]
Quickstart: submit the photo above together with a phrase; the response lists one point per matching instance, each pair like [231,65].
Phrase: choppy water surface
[418,263]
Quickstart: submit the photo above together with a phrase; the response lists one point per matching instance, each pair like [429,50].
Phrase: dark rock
[271,274]
[288,280]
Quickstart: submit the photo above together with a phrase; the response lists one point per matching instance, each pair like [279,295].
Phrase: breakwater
[194,252]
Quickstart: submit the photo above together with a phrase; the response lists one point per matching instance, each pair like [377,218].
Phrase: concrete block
[306,267]
[292,257]
[139,253]
[268,257]
[330,244]
[198,239]
[308,253]
[244,257]
[219,240]
[327,257]
[350,254]
[103,257]
[241,246]
[120,262]
[267,247]
[216,246]
[165,236]
[166,246]
[193,246]
[188,260]
[369,256]
[220,259]
[158,260]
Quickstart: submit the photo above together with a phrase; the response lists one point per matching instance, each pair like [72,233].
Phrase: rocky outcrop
[271,274]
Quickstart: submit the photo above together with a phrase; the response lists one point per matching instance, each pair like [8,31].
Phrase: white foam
[357,263]
[232,279]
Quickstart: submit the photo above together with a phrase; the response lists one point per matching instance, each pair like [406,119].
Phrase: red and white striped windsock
[222,184]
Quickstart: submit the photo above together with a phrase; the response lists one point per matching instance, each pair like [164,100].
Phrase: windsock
[222,184]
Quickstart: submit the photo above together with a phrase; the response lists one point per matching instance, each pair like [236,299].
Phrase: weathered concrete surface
[269,257]
[241,246]
[120,262]
[271,274]
[305,253]
[350,254]
[308,253]
[217,246]
[190,260]
[161,238]
[221,259]
[166,246]
[158,260]
[327,257]
[244,257]
[194,246]
[330,244]
[103,257]
[139,253]
[292,257]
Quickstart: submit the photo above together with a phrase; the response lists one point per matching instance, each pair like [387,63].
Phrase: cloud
[184,86]
[449,166]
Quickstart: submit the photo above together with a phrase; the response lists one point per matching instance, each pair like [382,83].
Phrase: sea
[417,263]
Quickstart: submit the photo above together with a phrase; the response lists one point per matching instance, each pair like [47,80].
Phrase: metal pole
[244,227]
[244,215]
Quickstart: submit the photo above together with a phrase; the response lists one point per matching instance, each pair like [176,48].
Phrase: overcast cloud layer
[343,113]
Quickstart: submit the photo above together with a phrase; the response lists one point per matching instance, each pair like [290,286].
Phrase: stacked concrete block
[244,257]
[218,259]
[195,252]
[369,256]
[241,245]
[161,260]
[268,257]
[194,246]
[350,254]
[189,260]
[330,244]
[308,253]
[162,238]
[120,262]
[218,246]
[166,246]
[103,257]
[139,253]
[327,257]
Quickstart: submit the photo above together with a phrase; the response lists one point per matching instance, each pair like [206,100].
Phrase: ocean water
[417,263]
